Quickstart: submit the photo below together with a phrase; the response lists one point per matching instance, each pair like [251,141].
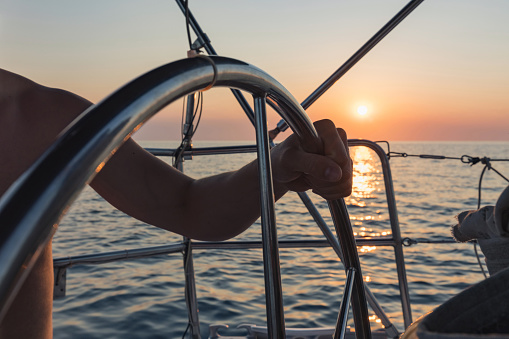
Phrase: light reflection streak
[366,249]
[374,318]
[364,186]
[365,232]
[364,178]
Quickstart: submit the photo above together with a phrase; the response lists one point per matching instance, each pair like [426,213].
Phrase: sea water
[144,298]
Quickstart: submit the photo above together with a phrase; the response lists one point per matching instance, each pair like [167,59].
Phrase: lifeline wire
[466,159]
[409,242]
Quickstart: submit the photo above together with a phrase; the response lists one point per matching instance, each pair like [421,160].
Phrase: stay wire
[188,133]
[179,153]
[188,24]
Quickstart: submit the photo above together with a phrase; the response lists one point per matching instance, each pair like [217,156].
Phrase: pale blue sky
[445,66]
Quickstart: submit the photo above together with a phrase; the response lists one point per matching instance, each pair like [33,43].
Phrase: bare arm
[217,207]
[212,208]
[221,206]
[141,185]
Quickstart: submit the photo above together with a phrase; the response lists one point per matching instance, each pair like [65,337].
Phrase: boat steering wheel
[30,210]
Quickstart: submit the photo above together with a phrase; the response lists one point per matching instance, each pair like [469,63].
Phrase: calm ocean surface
[145,298]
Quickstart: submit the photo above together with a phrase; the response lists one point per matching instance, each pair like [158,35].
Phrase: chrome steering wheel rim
[32,207]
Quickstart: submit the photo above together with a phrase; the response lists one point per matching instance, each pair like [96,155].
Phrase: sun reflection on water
[365,186]
[374,318]
[364,175]
[368,232]
[366,249]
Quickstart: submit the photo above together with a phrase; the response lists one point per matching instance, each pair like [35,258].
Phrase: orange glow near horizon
[421,83]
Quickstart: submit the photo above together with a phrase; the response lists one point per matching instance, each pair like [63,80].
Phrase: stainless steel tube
[351,260]
[273,290]
[395,229]
[390,329]
[102,258]
[31,208]
[166,152]
[190,291]
[345,305]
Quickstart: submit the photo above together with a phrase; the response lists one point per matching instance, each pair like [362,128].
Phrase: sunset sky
[442,74]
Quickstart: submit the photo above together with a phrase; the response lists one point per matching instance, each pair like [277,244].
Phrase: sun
[362,110]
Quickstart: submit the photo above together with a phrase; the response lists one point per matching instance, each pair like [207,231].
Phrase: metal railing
[395,240]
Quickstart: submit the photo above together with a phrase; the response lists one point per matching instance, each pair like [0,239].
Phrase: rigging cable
[466,159]
[187,132]
[187,257]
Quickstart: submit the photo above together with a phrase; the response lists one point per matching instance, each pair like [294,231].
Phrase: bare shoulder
[32,104]
[56,105]
[31,118]
[12,85]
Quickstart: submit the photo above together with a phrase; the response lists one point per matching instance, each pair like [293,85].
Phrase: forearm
[225,205]
[213,208]
[221,206]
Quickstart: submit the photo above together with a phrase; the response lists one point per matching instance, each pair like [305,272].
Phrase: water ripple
[145,298]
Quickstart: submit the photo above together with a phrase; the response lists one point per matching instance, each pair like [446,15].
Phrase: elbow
[217,233]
